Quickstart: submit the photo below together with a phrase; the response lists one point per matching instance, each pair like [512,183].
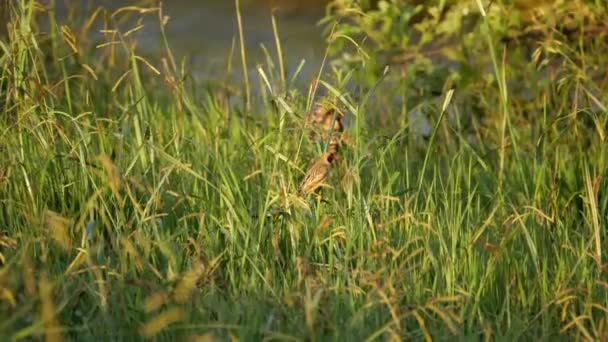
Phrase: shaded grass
[135,204]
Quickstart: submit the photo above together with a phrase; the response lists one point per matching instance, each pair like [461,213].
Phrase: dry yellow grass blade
[148,64]
[577,321]
[592,189]
[138,9]
[155,301]
[29,276]
[69,38]
[112,173]
[102,292]
[422,325]
[188,283]
[161,322]
[120,79]
[48,311]
[90,71]
[444,317]
[7,243]
[80,259]
[131,255]
[7,296]
[208,337]
[58,227]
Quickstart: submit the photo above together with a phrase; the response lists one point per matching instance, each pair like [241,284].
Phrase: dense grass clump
[135,202]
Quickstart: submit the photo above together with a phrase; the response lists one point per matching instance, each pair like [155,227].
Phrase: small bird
[325,119]
[317,174]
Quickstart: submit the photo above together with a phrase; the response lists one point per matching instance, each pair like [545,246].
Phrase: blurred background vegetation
[150,153]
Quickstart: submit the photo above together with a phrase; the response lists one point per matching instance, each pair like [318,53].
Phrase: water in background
[203,31]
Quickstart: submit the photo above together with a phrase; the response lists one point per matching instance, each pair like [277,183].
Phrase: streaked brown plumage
[322,116]
[317,174]
[325,120]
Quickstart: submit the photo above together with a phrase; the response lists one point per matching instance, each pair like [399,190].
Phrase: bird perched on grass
[325,119]
[322,116]
[317,174]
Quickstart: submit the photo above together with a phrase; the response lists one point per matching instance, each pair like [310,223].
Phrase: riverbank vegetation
[469,201]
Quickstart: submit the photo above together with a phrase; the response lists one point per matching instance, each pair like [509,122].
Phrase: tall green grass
[135,203]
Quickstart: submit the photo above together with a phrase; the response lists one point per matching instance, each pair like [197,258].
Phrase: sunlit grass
[135,203]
